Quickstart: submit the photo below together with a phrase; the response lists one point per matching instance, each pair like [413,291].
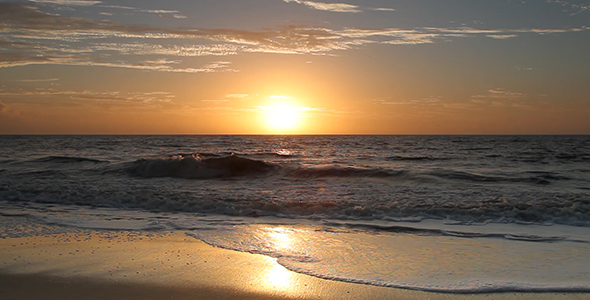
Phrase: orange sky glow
[294,67]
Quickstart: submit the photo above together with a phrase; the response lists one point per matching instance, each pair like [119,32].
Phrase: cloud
[421,101]
[174,13]
[503,97]
[170,50]
[23,60]
[119,7]
[382,9]
[237,96]
[160,11]
[68,2]
[38,80]
[30,36]
[334,7]
[573,8]
[94,96]
[495,32]
[500,93]
[501,36]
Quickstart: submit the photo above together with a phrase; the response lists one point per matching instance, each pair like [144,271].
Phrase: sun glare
[282,116]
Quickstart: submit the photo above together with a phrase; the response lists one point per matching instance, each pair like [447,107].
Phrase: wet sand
[129,265]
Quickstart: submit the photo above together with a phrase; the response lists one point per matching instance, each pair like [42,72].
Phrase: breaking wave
[195,166]
[210,166]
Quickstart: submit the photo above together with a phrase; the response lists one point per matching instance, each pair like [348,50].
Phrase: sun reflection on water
[280,238]
[278,277]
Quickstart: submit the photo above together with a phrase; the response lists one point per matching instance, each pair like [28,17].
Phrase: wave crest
[194,166]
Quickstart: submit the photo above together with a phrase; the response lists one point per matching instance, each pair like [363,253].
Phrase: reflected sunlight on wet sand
[127,265]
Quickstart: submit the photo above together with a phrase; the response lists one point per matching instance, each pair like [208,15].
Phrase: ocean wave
[68,160]
[210,166]
[340,171]
[278,154]
[454,233]
[543,179]
[197,167]
[415,158]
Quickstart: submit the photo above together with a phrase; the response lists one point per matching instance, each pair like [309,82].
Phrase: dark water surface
[535,179]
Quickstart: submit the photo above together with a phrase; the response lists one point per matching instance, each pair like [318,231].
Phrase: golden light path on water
[278,277]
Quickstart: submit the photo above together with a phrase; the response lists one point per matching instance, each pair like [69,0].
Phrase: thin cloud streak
[502,36]
[137,98]
[68,2]
[15,60]
[334,7]
[502,97]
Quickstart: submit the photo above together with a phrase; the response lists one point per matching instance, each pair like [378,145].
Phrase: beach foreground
[85,264]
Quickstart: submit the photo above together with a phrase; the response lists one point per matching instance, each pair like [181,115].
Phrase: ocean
[464,214]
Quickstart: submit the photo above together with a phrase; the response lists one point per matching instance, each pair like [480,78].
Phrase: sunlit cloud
[237,96]
[383,9]
[499,93]
[170,50]
[108,96]
[174,13]
[337,7]
[219,65]
[160,11]
[29,36]
[162,61]
[69,2]
[422,101]
[503,97]
[16,60]
[474,31]
[38,80]
[502,36]
[334,7]
[118,7]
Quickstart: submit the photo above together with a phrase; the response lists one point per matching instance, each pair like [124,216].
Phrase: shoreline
[166,265]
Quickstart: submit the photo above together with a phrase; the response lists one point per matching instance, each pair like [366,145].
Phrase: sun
[282,116]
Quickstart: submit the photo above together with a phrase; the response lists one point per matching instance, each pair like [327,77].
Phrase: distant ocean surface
[506,213]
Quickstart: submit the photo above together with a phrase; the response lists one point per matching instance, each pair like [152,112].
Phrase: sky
[295,67]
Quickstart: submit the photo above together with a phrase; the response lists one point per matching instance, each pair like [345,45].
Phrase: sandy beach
[171,265]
